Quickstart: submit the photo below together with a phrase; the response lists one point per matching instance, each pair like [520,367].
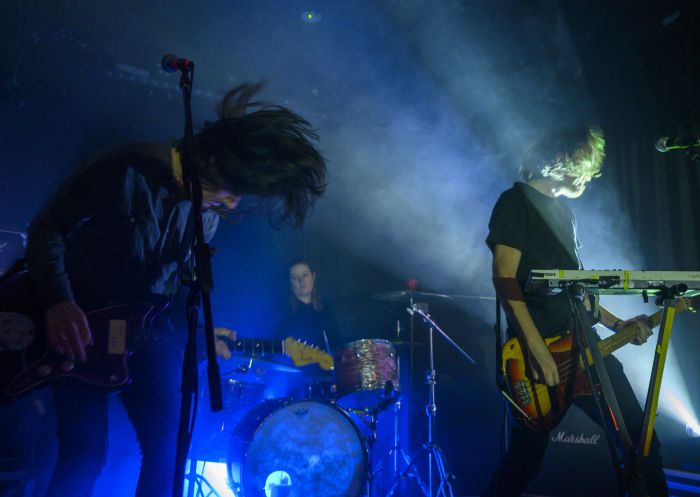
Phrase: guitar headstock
[303,354]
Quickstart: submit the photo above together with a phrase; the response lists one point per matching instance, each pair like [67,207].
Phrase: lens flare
[693,430]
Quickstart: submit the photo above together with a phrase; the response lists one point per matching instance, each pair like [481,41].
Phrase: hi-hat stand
[435,455]
[397,455]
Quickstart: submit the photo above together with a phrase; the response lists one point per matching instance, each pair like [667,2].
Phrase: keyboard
[613,281]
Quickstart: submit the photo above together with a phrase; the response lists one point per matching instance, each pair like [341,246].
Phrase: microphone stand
[199,294]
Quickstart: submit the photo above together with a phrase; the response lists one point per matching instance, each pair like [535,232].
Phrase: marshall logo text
[570,438]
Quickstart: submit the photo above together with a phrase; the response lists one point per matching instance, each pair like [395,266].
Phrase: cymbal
[253,369]
[405,295]
[406,343]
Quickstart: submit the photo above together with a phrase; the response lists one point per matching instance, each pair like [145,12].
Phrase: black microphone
[664,144]
[173,63]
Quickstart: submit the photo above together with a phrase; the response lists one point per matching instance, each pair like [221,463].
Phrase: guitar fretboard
[256,346]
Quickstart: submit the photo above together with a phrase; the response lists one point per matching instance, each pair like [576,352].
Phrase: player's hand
[67,330]
[642,330]
[222,349]
[542,365]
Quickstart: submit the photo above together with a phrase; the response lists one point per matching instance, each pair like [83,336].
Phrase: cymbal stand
[396,453]
[373,416]
[435,454]
[371,422]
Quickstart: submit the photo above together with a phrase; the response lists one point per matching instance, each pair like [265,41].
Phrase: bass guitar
[540,407]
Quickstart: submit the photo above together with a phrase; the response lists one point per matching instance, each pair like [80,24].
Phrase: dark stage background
[423,109]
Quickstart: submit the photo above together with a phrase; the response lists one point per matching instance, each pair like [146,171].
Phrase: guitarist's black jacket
[118,228]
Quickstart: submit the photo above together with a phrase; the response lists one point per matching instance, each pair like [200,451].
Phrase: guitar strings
[564,370]
[565,367]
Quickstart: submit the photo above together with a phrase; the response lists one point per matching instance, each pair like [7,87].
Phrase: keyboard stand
[582,331]
[668,298]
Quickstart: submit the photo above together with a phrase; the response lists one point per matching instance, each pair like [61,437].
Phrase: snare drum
[297,449]
[366,374]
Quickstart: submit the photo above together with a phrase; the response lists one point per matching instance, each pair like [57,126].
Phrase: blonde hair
[576,152]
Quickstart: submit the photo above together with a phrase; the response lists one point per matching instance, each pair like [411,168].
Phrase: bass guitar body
[542,407]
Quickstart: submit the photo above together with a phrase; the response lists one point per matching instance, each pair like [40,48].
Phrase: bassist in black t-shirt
[532,228]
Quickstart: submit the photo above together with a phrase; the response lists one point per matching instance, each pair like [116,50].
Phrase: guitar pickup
[116,337]
[521,393]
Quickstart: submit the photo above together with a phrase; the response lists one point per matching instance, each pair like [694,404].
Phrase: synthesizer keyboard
[613,281]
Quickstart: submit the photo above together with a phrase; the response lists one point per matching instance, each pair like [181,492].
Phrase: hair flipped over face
[269,154]
[574,152]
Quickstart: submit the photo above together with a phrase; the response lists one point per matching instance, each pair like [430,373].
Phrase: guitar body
[27,362]
[543,406]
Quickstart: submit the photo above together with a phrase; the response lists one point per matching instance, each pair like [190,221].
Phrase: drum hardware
[434,453]
[197,484]
[397,452]
[411,296]
[242,364]
[370,418]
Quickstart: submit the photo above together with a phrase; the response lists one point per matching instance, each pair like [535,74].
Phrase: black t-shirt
[543,228]
[308,324]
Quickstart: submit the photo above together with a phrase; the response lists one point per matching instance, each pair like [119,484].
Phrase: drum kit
[293,432]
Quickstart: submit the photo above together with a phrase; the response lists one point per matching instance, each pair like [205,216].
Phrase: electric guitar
[540,407]
[27,362]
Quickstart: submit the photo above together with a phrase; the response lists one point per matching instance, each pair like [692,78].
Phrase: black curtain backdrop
[643,68]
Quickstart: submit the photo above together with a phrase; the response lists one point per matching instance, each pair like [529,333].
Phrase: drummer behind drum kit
[290,432]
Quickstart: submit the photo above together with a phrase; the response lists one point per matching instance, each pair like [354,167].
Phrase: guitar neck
[627,334]
[255,346]
[617,340]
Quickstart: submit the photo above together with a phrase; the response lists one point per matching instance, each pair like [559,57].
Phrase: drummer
[307,318]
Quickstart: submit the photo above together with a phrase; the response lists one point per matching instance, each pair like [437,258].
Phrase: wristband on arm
[508,289]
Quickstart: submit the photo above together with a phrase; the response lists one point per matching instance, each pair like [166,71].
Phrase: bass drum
[297,449]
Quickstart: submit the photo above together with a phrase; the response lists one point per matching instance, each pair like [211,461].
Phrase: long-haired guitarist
[119,230]
[531,227]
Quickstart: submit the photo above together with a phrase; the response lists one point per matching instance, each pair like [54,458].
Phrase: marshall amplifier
[577,462]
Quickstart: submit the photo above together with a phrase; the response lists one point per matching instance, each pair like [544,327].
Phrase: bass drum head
[298,449]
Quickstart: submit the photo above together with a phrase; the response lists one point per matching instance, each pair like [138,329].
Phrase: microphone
[664,144]
[172,63]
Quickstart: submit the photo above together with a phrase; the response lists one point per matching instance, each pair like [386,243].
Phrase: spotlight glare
[693,430]
[311,17]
